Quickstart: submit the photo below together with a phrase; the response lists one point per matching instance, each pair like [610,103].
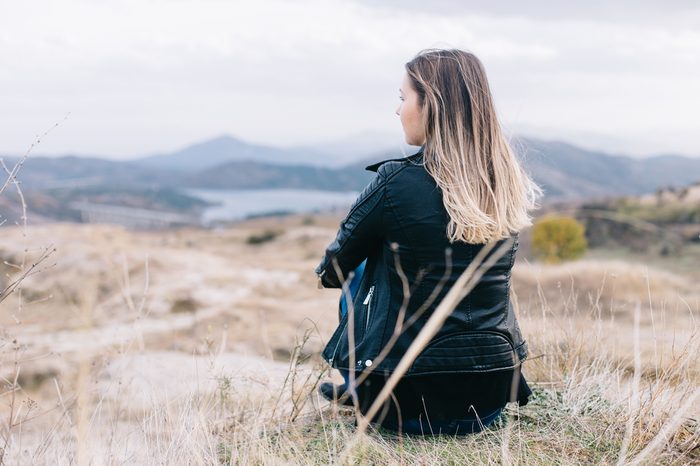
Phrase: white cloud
[145,76]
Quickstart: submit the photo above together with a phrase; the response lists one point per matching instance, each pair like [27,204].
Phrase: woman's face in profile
[410,113]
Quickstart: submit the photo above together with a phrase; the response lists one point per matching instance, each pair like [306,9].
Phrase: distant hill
[563,170]
[256,175]
[665,221]
[71,171]
[350,149]
[223,149]
[569,172]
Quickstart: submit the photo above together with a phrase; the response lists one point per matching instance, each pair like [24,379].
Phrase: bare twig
[634,399]
[462,287]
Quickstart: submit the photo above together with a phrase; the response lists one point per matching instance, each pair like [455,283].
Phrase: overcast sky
[133,77]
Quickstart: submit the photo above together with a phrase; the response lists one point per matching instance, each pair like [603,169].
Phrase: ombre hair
[485,191]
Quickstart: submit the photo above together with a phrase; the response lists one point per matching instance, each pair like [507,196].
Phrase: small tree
[558,238]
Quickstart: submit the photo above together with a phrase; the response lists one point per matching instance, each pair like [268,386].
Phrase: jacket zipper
[337,343]
[368,303]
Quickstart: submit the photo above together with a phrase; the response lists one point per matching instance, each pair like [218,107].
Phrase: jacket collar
[375,166]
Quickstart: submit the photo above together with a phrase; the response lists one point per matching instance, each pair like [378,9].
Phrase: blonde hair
[485,191]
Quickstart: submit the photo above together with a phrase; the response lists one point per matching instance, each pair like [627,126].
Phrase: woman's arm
[360,232]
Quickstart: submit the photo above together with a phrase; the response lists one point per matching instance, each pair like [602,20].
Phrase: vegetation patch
[263,237]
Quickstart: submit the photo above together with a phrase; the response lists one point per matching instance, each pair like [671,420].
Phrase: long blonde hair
[485,191]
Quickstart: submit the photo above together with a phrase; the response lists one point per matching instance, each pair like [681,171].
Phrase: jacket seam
[364,218]
[363,201]
[391,207]
[400,224]
[381,184]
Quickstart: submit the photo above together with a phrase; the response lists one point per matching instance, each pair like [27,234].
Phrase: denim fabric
[354,285]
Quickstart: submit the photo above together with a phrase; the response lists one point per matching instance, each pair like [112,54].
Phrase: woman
[414,230]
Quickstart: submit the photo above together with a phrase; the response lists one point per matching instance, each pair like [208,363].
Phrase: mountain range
[563,170]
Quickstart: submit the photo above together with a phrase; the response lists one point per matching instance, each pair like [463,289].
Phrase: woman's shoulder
[392,164]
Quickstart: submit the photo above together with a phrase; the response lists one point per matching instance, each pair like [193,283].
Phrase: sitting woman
[409,236]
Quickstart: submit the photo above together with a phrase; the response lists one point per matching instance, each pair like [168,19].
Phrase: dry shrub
[558,238]
[594,287]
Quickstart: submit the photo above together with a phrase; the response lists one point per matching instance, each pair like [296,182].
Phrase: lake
[244,203]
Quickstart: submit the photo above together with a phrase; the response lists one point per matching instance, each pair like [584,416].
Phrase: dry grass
[613,358]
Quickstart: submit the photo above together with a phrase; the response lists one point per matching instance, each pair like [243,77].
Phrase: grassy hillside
[201,347]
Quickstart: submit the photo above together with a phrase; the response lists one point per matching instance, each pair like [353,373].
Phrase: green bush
[558,238]
[263,237]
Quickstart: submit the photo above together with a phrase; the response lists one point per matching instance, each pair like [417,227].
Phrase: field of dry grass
[201,347]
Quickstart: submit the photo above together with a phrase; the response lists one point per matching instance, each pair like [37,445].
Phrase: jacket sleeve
[360,233]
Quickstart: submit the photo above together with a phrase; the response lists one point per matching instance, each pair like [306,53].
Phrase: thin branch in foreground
[18,166]
[33,269]
[668,429]
[466,282]
[402,326]
[634,401]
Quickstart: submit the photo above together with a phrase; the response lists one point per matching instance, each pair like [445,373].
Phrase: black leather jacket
[399,223]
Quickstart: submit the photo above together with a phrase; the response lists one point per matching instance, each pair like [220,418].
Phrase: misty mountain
[569,172]
[256,175]
[563,170]
[71,171]
[350,149]
[330,154]
[223,149]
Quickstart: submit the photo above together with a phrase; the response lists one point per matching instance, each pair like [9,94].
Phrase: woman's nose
[397,111]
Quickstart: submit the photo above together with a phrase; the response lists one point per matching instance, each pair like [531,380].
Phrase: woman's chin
[413,141]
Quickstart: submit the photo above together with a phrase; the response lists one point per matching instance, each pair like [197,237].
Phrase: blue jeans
[354,286]
[420,426]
